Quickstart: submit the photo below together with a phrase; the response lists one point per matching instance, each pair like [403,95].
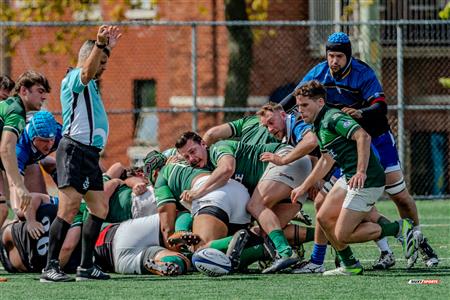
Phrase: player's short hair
[312,89]
[6,83]
[30,78]
[185,137]
[86,49]
[271,106]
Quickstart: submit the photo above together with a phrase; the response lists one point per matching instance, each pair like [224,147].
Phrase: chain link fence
[164,78]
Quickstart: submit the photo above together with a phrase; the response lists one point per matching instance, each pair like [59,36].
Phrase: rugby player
[342,139]
[353,87]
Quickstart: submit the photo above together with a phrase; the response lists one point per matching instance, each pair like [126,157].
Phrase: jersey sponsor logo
[347,124]
[336,115]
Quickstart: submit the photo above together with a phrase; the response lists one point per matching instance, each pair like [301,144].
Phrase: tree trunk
[240,41]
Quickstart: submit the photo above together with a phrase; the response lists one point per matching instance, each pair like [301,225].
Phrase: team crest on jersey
[347,124]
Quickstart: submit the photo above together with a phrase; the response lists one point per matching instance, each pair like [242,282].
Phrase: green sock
[383,220]
[346,256]
[309,234]
[176,260]
[251,255]
[390,229]
[221,244]
[280,242]
[183,222]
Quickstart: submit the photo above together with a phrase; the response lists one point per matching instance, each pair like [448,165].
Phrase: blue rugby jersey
[27,154]
[357,88]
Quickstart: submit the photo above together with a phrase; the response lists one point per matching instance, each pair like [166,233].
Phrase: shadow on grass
[404,272]
[237,277]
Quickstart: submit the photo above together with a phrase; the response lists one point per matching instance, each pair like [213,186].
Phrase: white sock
[416,228]
[383,245]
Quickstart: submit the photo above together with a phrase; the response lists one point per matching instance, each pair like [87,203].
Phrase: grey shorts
[292,174]
[231,198]
[131,240]
[361,200]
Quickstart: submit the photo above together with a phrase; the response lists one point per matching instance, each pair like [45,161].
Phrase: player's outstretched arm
[217,133]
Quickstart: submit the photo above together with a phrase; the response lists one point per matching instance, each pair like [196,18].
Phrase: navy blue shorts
[385,148]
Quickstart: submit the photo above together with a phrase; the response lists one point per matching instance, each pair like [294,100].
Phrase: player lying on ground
[25,250]
[134,247]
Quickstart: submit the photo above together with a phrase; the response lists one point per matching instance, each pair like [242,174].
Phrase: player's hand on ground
[103,35]
[297,193]
[354,113]
[139,188]
[271,157]
[114,36]
[357,181]
[35,229]
[24,197]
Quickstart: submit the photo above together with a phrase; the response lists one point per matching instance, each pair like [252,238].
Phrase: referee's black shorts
[77,166]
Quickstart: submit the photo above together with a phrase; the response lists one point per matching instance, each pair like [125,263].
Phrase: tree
[240,42]
[45,11]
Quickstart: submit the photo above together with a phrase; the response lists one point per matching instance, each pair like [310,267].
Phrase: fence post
[400,96]
[194,77]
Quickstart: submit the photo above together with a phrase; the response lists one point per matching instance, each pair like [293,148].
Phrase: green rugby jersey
[334,130]
[249,168]
[12,115]
[119,203]
[173,179]
[249,130]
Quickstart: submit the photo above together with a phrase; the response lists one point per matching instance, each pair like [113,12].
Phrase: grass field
[393,284]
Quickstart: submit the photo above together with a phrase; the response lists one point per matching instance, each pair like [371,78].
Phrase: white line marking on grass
[397,259]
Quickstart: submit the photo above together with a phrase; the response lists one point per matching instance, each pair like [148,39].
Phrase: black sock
[91,229]
[57,234]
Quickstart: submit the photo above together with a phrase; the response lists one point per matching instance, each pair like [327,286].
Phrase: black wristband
[101,46]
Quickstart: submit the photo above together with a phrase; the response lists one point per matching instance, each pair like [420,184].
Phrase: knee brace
[396,187]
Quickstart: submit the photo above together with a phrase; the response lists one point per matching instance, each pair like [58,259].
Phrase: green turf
[391,284]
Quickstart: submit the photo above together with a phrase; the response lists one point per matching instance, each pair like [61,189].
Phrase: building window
[142,10]
[146,123]
[414,35]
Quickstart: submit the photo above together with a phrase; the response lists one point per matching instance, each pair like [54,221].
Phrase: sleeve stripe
[352,130]
[12,129]
[169,200]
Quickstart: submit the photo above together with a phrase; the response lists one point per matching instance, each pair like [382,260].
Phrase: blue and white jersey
[27,154]
[296,129]
[356,88]
[84,116]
